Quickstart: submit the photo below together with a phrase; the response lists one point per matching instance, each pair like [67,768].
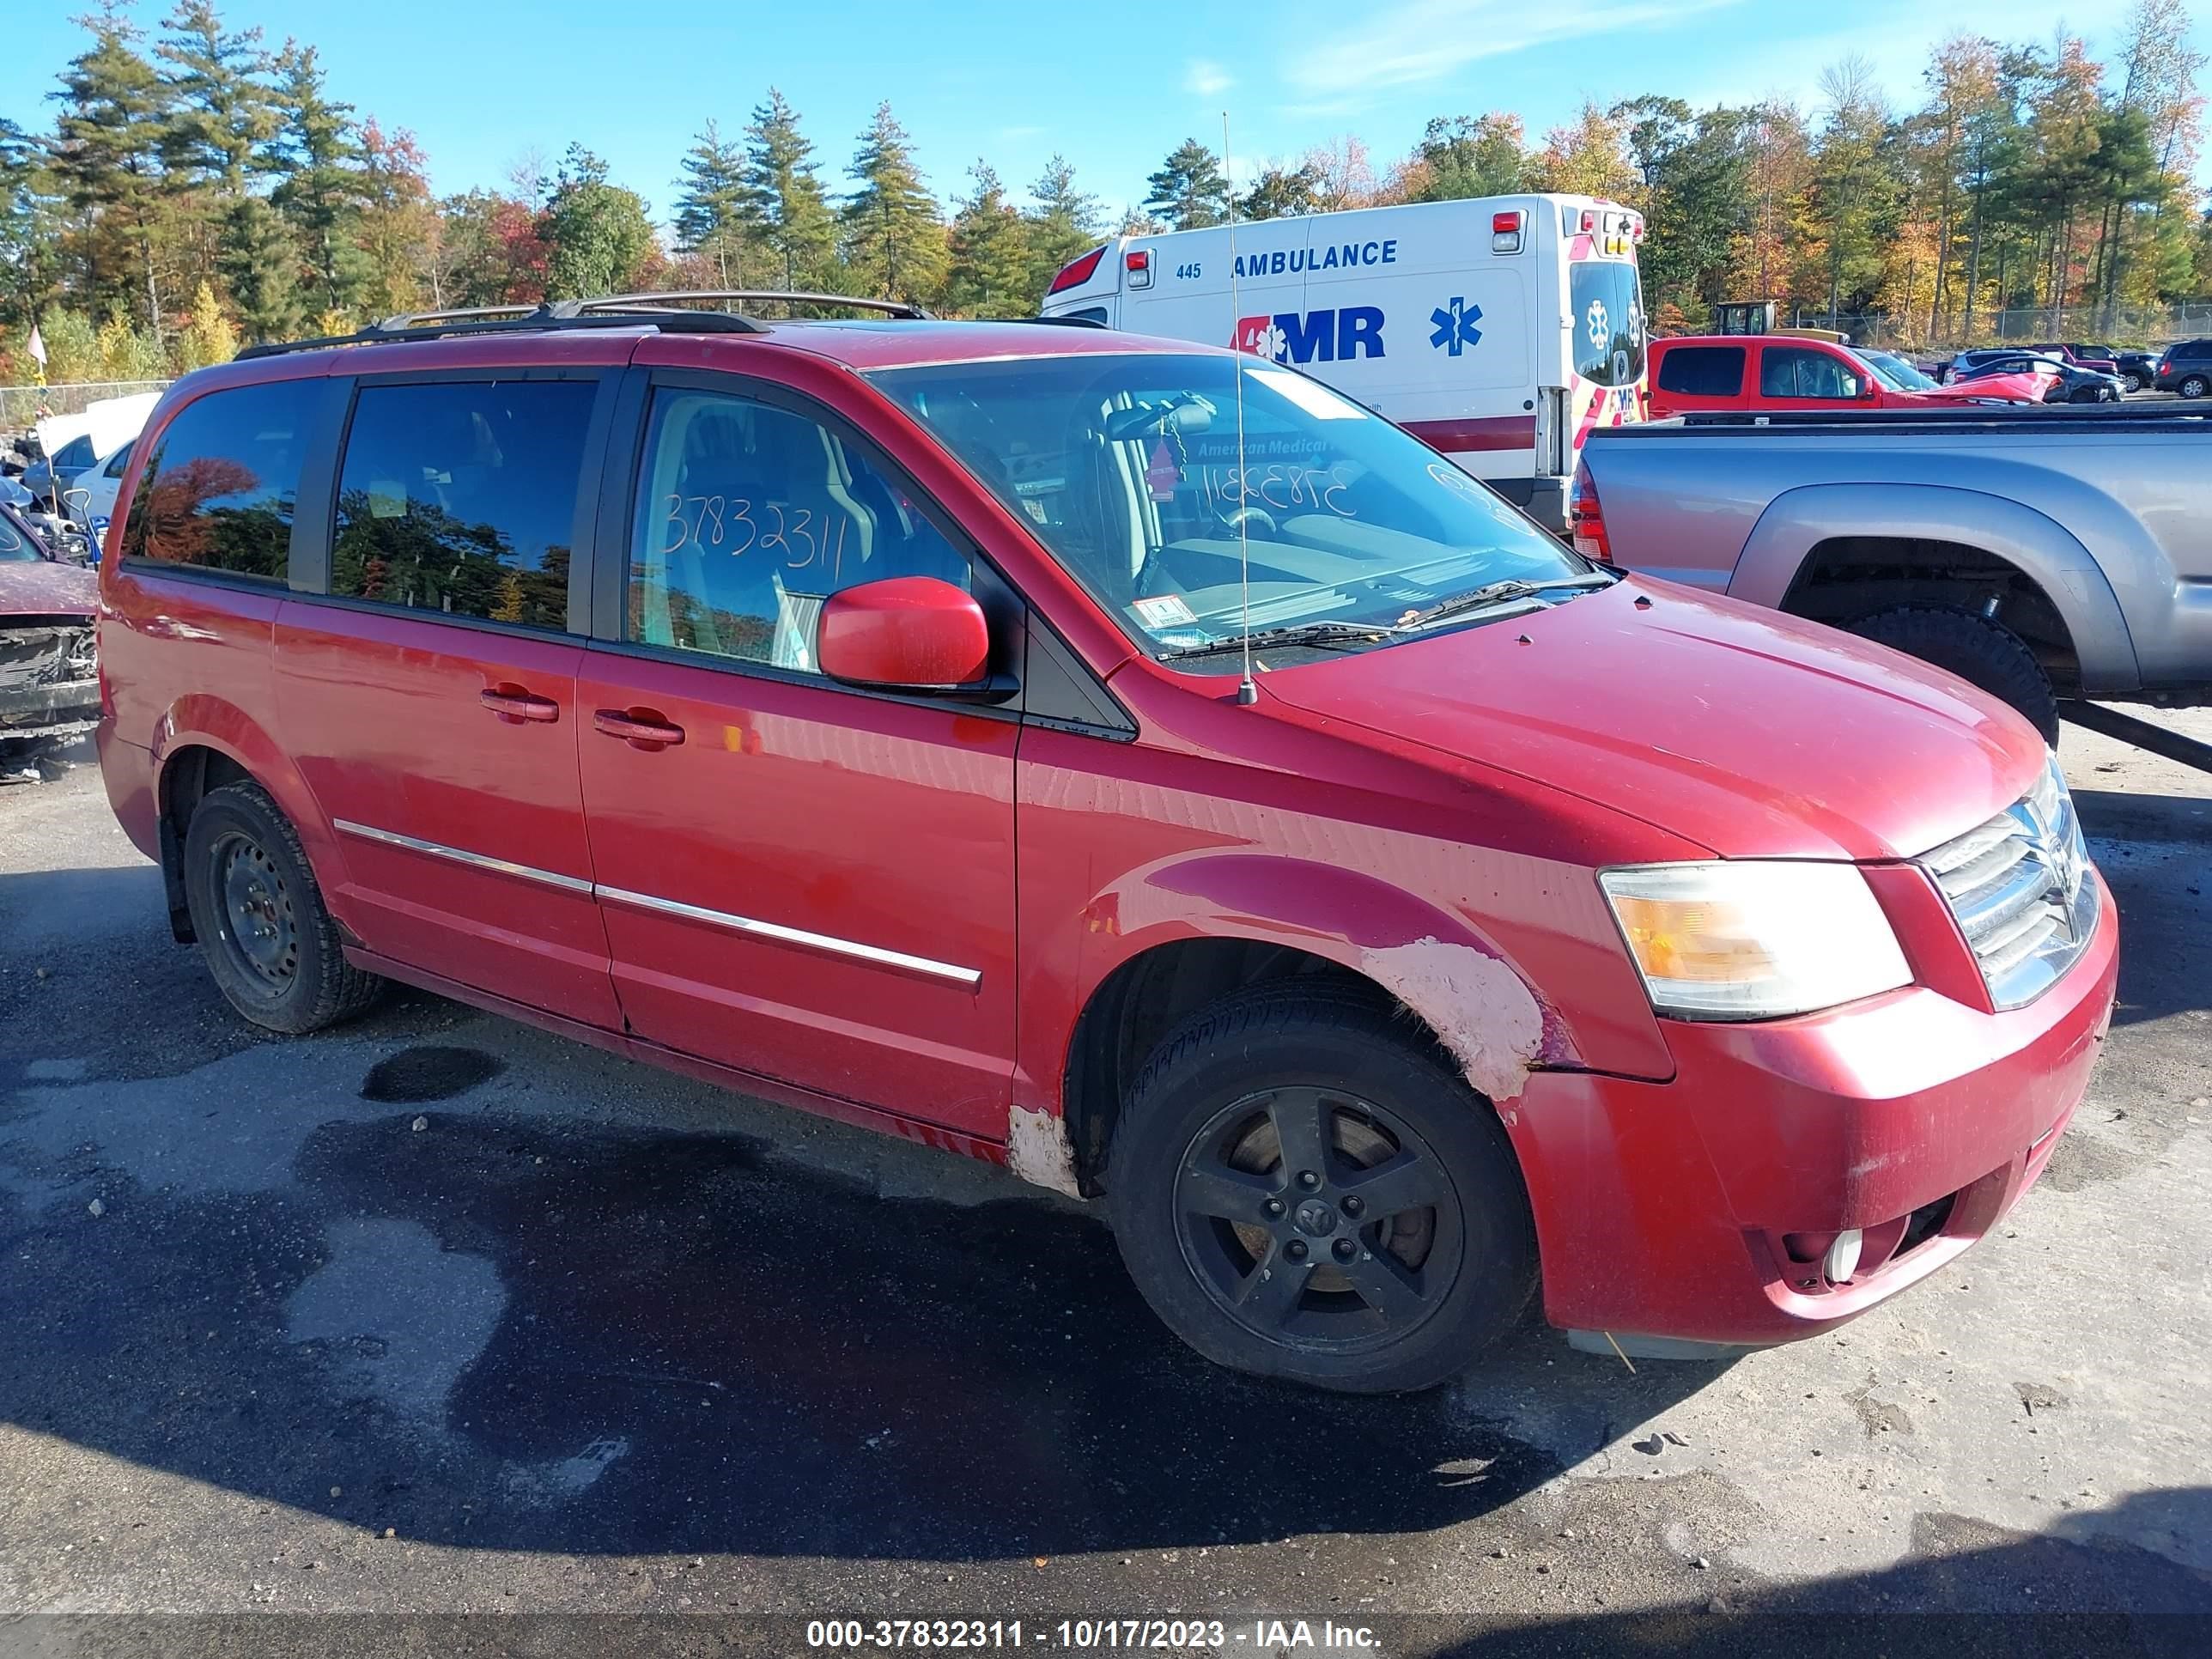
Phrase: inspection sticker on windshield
[1166,610]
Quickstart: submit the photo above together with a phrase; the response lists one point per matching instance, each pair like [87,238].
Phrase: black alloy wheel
[1318,1219]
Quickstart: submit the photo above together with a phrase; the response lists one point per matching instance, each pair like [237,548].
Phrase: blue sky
[1112,88]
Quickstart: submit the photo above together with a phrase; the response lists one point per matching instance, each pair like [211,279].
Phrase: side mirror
[905,634]
[1868,391]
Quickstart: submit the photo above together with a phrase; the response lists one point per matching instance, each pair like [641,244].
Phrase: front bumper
[68,708]
[1698,1209]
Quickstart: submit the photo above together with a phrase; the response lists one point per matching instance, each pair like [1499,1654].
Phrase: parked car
[2185,367]
[2066,383]
[72,444]
[91,502]
[860,715]
[2138,370]
[1697,373]
[2023,550]
[49,688]
[2098,360]
[1905,377]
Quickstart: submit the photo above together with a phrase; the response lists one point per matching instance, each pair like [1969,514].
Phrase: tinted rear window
[1702,371]
[1607,314]
[218,490]
[460,498]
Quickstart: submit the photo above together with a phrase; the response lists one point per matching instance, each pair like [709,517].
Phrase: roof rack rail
[669,310]
[648,302]
[506,320]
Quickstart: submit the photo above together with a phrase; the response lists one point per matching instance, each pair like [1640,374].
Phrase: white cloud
[1422,41]
[1205,78]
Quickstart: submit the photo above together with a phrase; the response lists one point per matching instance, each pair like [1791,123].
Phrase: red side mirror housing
[906,634]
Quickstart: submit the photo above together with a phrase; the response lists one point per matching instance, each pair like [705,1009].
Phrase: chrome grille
[2019,886]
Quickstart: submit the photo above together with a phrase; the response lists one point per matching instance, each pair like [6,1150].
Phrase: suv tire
[270,945]
[2195,385]
[1384,1301]
[1978,651]
[2136,380]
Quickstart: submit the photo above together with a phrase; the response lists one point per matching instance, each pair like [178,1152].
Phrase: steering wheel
[1236,516]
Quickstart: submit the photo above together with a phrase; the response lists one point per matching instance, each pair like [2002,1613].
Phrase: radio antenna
[1247,692]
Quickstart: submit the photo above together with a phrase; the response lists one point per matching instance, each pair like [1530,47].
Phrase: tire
[268,939]
[2135,382]
[2195,385]
[1978,651]
[1383,1302]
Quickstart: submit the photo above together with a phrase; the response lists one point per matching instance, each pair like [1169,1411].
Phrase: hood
[1753,733]
[39,587]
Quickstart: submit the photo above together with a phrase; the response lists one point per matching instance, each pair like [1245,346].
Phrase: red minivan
[859,714]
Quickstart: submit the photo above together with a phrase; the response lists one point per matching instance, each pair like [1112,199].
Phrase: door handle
[641,728]
[513,705]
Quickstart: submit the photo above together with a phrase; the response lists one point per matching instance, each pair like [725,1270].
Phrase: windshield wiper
[1501,592]
[1344,633]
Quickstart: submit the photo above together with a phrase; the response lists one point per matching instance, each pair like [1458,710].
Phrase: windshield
[1127,468]
[1605,321]
[1896,373]
[15,544]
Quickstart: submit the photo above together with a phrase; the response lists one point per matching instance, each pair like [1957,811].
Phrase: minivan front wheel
[269,943]
[1302,1188]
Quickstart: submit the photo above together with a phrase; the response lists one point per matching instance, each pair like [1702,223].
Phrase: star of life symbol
[1455,325]
[1601,326]
[1267,341]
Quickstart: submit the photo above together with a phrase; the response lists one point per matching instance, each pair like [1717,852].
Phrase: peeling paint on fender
[1037,1151]
[1481,1010]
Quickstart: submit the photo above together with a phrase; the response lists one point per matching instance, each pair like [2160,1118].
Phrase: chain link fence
[2130,327]
[21,405]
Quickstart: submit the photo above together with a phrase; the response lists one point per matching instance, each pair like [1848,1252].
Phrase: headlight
[1754,940]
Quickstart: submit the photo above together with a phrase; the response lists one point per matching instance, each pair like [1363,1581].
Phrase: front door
[430,698]
[802,880]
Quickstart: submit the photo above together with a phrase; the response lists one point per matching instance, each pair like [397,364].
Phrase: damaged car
[1130,762]
[49,683]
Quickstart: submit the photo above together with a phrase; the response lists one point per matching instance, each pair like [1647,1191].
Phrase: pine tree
[115,110]
[320,194]
[990,259]
[225,113]
[782,202]
[893,237]
[710,209]
[1063,223]
[259,263]
[1189,190]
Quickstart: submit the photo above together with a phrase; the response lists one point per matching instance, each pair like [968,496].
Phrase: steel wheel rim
[1353,1259]
[259,928]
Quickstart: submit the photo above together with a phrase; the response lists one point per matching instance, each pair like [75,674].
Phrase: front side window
[1793,371]
[1605,319]
[749,516]
[459,497]
[1129,469]
[219,485]
[76,455]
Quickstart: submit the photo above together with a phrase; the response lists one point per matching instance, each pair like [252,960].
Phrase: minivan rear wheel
[1305,1188]
[269,940]
[1981,652]
[2195,385]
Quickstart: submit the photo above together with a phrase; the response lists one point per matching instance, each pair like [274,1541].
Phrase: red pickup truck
[1695,374]
[1121,759]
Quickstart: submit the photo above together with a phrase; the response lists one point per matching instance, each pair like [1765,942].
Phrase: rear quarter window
[1702,371]
[220,483]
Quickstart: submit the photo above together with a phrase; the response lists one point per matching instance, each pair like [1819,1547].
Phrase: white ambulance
[1499,330]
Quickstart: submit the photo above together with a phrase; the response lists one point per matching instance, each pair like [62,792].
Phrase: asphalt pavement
[437,1317]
